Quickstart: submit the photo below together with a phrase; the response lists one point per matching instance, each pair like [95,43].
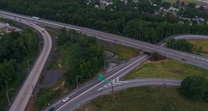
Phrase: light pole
[8,95]
[104,63]
[112,87]
[39,45]
[28,63]
[77,79]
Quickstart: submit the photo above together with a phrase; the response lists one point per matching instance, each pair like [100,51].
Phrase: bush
[45,96]
[195,87]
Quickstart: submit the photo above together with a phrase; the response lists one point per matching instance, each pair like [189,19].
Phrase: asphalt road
[91,90]
[25,92]
[193,59]
[118,85]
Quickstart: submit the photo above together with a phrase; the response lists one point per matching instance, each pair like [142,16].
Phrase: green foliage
[195,87]
[180,44]
[85,58]
[135,20]
[156,56]
[144,99]
[15,49]
[45,96]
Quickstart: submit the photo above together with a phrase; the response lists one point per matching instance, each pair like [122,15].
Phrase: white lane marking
[117,79]
[99,89]
[114,82]
[100,83]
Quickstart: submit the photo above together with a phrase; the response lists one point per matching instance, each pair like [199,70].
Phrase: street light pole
[39,45]
[112,88]
[8,95]
[77,80]
[28,63]
[105,63]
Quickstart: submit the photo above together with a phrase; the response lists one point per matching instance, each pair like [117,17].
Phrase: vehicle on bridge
[34,17]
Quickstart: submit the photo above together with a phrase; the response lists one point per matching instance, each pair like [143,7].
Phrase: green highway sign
[107,81]
[100,77]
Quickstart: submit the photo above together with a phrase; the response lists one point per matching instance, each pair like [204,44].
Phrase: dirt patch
[51,78]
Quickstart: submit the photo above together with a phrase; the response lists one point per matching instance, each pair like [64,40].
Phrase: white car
[65,99]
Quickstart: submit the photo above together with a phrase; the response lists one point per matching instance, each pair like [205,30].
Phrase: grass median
[201,43]
[145,99]
[168,68]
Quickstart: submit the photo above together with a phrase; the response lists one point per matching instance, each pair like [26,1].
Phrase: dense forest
[15,49]
[85,57]
[136,20]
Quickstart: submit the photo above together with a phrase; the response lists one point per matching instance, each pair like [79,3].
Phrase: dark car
[51,109]
[183,59]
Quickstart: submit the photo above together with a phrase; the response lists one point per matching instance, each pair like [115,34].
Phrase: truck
[34,17]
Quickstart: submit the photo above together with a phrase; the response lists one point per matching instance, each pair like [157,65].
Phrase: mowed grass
[123,52]
[201,43]
[145,99]
[168,68]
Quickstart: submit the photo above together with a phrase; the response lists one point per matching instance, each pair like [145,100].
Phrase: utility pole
[77,77]
[112,88]
[8,95]
[33,92]
[28,64]
[39,45]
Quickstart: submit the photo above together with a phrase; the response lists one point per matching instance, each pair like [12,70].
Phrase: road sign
[107,81]
[100,77]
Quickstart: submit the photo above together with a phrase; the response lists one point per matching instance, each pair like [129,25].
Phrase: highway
[26,90]
[118,85]
[77,98]
[90,91]
[193,59]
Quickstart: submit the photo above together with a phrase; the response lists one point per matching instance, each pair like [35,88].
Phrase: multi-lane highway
[118,85]
[97,88]
[83,96]
[193,59]
[25,92]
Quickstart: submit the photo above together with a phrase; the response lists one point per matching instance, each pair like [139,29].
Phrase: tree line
[183,45]
[15,49]
[86,58]
[135,20]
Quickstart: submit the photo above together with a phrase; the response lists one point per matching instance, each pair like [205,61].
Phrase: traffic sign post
[100,77]
[107,81]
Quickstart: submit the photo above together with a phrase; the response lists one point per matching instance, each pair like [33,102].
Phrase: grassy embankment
[201,43]
[167,69]
[171,68]
[47,95]
[123,52]
[145,99]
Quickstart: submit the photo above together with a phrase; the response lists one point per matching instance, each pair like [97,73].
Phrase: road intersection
[97,88]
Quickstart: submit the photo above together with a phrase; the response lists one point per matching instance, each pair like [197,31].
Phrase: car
[43,31]
[51,109]
[65,99]
[183,59]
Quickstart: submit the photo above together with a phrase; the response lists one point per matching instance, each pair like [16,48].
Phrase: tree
[180,44]
[194,87]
